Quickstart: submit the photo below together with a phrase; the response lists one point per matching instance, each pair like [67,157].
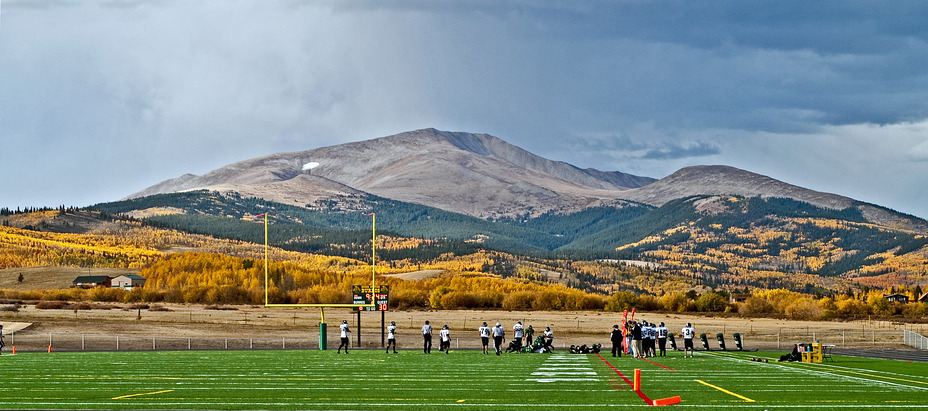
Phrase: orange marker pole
[666,401]
[14,349]
[49,348]
[637,383]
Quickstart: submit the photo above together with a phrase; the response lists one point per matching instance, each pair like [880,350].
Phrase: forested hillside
[717,241]
[695,266]
[314,228]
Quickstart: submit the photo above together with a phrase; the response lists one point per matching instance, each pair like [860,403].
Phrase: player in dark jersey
[427,338]
[662,339]
[616,338]
[498,334]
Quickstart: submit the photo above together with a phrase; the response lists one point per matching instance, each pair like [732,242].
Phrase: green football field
[466,380]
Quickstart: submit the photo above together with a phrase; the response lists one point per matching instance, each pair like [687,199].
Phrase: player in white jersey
[427,338]
[444,342]
[688,333]
[485,337]
[391,337]
[345,331]
[517,333]
[549,339]
[662,339]
[498,333]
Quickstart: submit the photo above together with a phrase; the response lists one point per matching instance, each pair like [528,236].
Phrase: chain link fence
[32,341]
[786,339]
[27,341]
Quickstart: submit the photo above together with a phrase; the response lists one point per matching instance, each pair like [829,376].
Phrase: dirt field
[570,328]
[51,278]
[417,275]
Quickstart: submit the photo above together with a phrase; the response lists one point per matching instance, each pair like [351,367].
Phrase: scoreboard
[364,294]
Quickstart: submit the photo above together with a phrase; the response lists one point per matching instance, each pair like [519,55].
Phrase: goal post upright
[265,260]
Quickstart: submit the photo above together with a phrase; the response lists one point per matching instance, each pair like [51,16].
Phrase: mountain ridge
[483,176]
[490,176]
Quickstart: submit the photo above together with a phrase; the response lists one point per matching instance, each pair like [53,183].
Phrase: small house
[923,298]
[739,297]
[128,281]
[897,298]
[90,281]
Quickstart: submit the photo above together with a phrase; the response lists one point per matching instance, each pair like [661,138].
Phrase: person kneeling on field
[793,356]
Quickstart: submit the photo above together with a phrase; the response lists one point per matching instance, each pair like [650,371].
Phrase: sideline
[844,370]
[659,365]
[837,371]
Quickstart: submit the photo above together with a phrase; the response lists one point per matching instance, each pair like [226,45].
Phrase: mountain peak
[727,180]
[474,174]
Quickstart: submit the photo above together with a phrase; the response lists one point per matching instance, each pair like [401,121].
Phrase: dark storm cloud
[133,92]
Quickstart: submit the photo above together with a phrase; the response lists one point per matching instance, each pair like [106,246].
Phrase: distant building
[128,282]
[923,298]
[739,297]
[897,298]
[91,281]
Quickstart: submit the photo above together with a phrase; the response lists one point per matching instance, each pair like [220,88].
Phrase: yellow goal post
[322,307]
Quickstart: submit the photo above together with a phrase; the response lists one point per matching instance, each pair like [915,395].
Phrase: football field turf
[466,380]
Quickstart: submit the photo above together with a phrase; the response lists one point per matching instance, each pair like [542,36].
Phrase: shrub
[649,303]
[457,300]
[518,300]
[50,305]
[915,310]
[711,302]
[755,307]
[10,308]
[593,302]
[677,302]
[804,309]
[881,306]
[547,300]
[851,308]
[220,308]
[80,306]
[622,300]
[408,298]
[436,295]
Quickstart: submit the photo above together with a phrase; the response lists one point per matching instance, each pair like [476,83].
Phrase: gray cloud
[100,99]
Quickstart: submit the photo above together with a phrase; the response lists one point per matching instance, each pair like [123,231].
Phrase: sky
[101,99]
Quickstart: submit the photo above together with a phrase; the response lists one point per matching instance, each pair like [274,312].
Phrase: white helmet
[499,325]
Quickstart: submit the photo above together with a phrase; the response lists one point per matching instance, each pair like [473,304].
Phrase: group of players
[641,339]
[644,339]
[498,333]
